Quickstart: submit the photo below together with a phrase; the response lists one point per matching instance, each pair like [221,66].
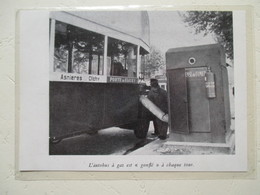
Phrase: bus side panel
[121,104]
[75,108]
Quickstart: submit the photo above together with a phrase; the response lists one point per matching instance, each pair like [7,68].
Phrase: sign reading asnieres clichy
[74,77]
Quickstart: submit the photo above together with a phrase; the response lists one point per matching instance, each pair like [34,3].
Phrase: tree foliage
[153,61]
[76,48]
[218,23]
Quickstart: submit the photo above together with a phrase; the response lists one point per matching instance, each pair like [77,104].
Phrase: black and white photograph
[124,90]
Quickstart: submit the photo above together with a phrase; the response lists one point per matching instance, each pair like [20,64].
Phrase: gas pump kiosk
[198,94]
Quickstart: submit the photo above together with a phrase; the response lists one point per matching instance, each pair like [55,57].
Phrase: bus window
[61,48]
[163,86]
[78,50]
[121,58]
[143,62]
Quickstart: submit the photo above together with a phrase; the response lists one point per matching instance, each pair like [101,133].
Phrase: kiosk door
[178,104]
[198,103]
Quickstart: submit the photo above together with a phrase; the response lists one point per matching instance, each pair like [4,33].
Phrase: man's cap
[154,82]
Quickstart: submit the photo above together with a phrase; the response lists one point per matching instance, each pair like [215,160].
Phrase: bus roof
[129,26]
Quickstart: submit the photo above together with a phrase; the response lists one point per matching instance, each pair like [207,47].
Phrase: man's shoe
[161,137]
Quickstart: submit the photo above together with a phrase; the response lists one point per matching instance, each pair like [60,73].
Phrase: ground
[117,141]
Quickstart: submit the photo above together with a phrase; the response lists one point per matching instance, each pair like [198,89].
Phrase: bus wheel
[55,141]
[142,129]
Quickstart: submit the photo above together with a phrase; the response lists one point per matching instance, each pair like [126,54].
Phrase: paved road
[111,141]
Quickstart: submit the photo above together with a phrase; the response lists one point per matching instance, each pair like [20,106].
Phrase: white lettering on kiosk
[195,73]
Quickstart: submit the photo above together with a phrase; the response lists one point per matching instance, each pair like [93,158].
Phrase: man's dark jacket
[159,98]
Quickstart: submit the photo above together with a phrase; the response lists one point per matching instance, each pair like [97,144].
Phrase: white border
[34,111]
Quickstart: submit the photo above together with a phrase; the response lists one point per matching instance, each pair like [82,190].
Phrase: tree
[153,61]
[218,23]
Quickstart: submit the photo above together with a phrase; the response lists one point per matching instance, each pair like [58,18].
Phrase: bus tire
[142,129]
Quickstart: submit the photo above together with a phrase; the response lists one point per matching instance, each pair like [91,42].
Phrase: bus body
[95,68]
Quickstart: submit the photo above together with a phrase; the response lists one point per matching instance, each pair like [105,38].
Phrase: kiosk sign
[195,72]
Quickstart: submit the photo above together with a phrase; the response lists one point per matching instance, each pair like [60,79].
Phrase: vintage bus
[96,62]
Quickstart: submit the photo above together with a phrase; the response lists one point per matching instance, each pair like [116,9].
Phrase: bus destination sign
[113,79]
[72,77]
